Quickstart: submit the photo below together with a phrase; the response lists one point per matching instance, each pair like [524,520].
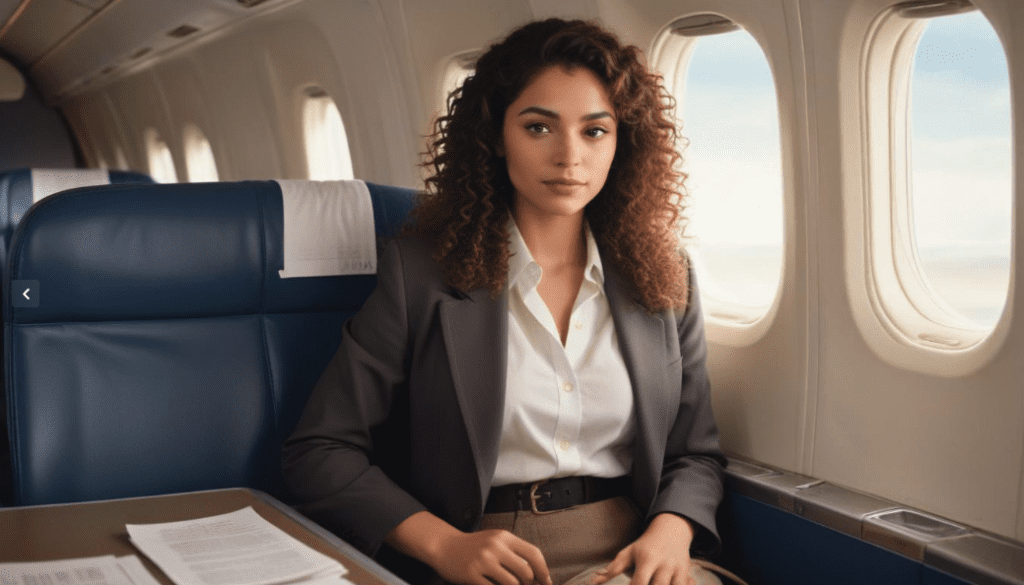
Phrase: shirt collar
[520,257]
[523,268]
[594,270]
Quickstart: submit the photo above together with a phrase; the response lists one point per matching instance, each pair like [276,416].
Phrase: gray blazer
[407,415]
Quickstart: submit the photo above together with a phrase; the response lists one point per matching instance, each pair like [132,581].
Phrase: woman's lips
[564,186]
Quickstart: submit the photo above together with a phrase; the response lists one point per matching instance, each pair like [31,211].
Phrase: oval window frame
[670,55]
[894,308]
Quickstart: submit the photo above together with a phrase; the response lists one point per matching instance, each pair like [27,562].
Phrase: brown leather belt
[552,495]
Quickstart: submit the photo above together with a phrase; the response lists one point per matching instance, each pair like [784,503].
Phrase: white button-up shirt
[568,409]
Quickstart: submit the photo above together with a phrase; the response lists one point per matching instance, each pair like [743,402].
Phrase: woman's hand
[661,556]
[487,557]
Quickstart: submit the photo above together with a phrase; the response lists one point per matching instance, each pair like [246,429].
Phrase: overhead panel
[94,4]
[126,36]
[117,38]
[41,25]
[7,8]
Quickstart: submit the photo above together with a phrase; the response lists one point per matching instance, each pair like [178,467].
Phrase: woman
[523,398]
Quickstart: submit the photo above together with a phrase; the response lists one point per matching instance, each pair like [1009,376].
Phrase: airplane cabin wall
[950,445]
[810,394]
[243,88]
[761,396]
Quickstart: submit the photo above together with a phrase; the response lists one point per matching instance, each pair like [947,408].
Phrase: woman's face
[559,142]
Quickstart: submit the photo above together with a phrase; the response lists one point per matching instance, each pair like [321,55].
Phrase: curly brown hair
[469,196]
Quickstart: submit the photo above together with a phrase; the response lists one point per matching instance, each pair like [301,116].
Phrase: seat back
[166,353]
[20,188]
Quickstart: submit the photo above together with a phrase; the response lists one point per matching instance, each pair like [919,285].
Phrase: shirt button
[567,386]
[578,324]
[564,445]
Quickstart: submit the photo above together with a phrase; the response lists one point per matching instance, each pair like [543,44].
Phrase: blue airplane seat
[18,191]
[165,353]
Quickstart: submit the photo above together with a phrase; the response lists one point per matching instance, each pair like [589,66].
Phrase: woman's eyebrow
[554,115]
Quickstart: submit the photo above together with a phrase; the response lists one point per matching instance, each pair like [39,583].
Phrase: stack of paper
[106,570]
[239,548]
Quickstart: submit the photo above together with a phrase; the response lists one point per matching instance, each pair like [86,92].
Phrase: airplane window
[961,166]
[929,245]
[728,112]
[327,153]
[455,73]
[161,164]
[199,161]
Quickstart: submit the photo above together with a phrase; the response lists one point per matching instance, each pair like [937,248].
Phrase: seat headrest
[137,251]
[46,182]
[328,229]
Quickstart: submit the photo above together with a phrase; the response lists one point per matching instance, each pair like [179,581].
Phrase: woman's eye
[596,132]
[538,128]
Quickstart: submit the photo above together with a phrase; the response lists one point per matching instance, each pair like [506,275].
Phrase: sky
[961,154]
[729,115]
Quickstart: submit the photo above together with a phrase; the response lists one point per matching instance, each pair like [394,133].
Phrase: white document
[239,548]
[136,571]
[105,570]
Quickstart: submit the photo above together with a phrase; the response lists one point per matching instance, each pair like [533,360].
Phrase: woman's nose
[569,151]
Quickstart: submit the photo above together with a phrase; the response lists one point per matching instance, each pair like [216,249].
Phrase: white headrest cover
[328,228]
[46,182]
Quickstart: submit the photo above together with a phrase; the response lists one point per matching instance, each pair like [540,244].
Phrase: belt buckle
[534,496]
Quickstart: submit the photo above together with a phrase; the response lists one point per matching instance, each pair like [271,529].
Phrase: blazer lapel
[475,331]
[642,340]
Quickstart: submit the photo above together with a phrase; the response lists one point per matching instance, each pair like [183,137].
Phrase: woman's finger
[619,564]
[536,568]
[491,557]
[500,576]
[526,562]
[642,573]
[492,568]
[684,577]
[668,574]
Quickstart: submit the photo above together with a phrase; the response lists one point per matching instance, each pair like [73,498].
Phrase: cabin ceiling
[66,46]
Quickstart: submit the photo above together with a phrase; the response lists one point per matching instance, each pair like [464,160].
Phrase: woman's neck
[554,241]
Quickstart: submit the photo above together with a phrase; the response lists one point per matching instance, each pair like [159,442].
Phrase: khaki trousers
[578,541]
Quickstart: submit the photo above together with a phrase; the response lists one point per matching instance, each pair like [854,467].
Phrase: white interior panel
[140,103]
[478,24]
[761,397]
[188,103]
[948,445]
[355,61]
